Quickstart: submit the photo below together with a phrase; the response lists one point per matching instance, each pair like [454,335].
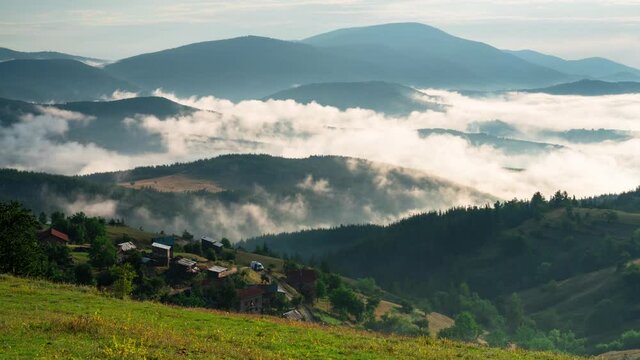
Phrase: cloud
[289,129]
[320,186]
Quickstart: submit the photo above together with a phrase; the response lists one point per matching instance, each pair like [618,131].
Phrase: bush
[465,329]
[83,274]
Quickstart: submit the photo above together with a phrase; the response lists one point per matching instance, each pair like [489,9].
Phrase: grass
[174,183]
[138,237]
[245,258]
[41,320]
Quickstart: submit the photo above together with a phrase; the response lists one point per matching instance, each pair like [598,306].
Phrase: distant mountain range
[8,54]
[594,68]
[591,88]
[388,98]
[510,146]
[57,80]
[407,53]
[252,67]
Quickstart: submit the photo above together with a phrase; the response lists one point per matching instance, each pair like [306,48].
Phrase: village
[212,273]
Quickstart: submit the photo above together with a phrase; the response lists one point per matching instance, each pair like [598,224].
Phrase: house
[53,236]
[124,249]
[165,240]
[162,253]
[187,265]
[220,272]
[251,299]
[293,315]
[209,243]
[304,280]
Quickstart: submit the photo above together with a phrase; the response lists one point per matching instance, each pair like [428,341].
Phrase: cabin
[162,253]
[304,280]
[251,299]
[54,237]
[294,315]
[165,240]
[187,265]
[125,249]
[220,272]
[209,243]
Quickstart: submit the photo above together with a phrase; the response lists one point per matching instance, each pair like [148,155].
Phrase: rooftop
[187,262]
[126,246]
[161,246]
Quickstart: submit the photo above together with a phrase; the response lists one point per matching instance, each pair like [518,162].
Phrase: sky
[116,29]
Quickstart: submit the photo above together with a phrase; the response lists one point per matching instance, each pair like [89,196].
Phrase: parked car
[256,266]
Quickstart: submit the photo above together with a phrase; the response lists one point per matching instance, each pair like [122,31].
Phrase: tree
[345,301]
[19,249]
[321,289]
[102,252]
[42,218]
[83,274]
[226,243]
[123,284]
[465,328]
[514,313]
[187,235]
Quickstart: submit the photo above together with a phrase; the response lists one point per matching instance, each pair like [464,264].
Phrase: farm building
[124,249]
[220,272]
[251,299]
[162,253]
[293,315]
[187,265]
[54,236]
[165,240]
[209,243]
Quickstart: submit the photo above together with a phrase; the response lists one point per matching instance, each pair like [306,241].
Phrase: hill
[255,194]
[93,325]
[513,247]
[56,80]
[594,68]
[9,54]
[387,98]
[508,145]
[239,68]
[105,126]
[422,55]
[591,88]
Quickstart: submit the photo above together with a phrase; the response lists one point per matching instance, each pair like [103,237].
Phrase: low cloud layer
[289,129]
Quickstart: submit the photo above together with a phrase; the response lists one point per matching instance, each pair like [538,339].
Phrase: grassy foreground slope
[44,320]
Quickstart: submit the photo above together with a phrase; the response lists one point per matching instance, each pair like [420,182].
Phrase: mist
[293,130]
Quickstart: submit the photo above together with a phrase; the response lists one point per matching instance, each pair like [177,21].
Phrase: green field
[41,320]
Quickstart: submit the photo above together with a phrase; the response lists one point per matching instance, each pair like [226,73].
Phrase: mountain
[8,54]
[106,126]
[387,98]
[253,67]
[56,80]
[423,56]
[245,195]
[239,68]
[590,88]
[594,68]
[510,146]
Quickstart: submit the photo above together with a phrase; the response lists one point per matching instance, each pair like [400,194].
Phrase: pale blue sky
[113,29]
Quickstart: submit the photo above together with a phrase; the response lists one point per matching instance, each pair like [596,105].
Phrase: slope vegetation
[43,320]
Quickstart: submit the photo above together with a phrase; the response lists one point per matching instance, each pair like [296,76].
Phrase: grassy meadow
[41,320]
